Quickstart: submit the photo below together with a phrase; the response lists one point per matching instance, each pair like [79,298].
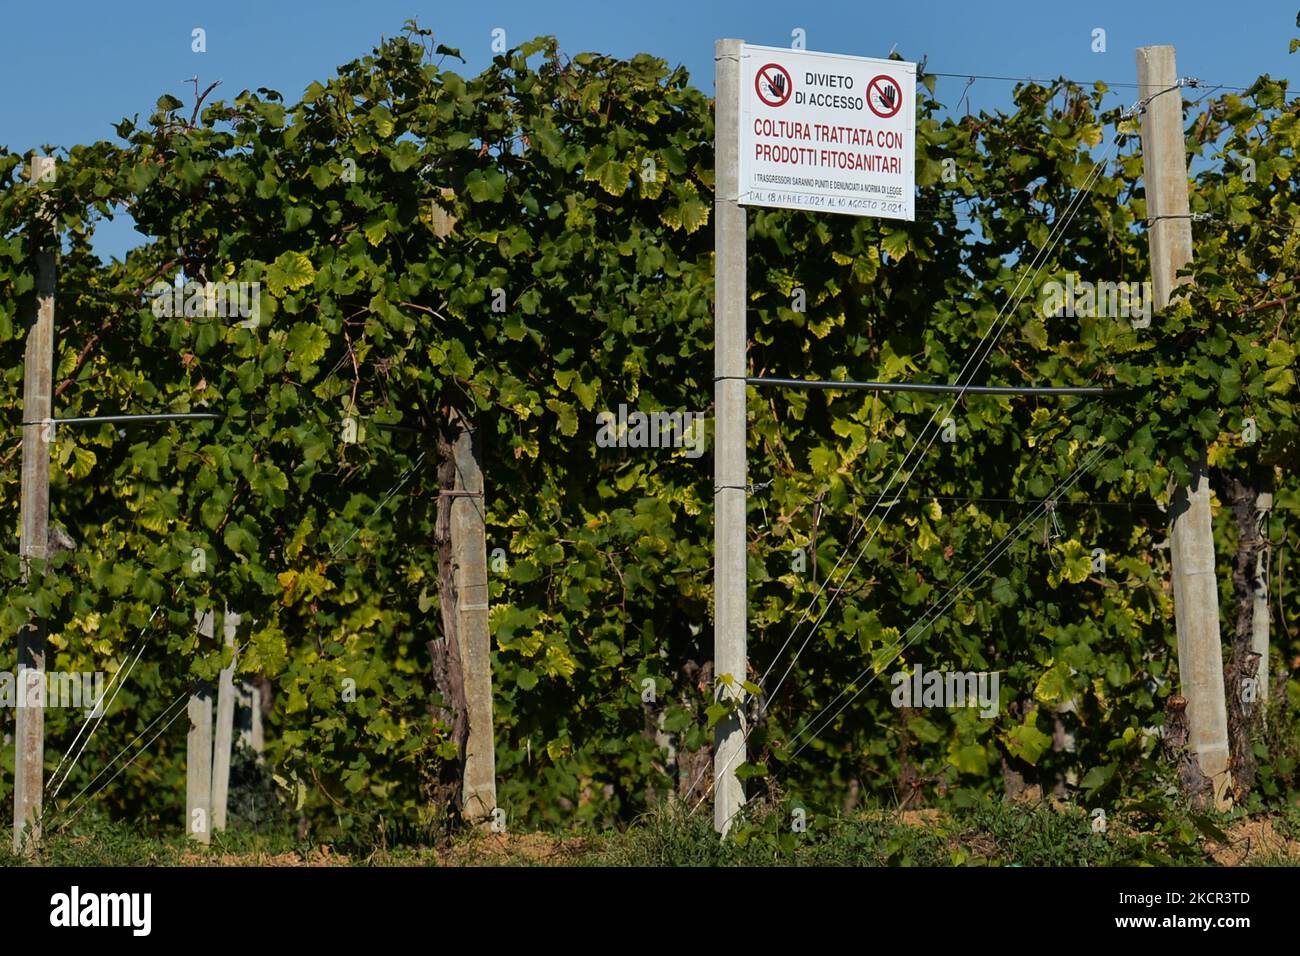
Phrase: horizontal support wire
[1187,81]
[181,416]
[126,419]
[925,387]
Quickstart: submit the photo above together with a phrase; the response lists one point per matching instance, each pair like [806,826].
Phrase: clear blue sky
[77,67]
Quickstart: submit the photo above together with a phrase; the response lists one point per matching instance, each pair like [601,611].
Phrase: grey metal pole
[1191,529]
[729,553]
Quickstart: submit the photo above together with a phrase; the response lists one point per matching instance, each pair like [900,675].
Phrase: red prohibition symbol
[772,84]
[884,96]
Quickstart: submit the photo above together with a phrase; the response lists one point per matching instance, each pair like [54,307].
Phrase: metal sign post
[729,552]
[793,130]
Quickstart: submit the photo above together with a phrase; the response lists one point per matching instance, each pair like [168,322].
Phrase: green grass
[991,834]
[994,834]
[98,842]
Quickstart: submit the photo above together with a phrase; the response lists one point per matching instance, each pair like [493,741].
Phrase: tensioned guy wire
[104,709]
[97,714]
[392,491]
[84,803]
[936,609]
[967,582]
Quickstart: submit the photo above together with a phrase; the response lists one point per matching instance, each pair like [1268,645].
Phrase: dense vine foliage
[577,277]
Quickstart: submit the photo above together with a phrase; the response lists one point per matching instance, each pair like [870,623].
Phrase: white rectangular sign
[827,133]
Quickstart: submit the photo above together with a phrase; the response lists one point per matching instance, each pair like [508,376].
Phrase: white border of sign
[904,208]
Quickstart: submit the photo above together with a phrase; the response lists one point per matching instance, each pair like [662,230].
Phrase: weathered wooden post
[468,641]
[469,550]
[38,435]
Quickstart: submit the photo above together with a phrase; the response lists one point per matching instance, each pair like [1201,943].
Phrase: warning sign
[825,132]
[884,97]
[772,82]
